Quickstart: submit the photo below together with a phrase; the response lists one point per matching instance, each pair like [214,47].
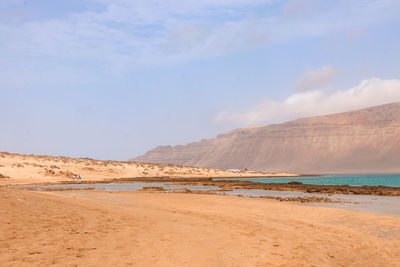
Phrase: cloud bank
[368,93]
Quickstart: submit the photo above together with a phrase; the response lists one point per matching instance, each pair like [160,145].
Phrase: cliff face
[363,141]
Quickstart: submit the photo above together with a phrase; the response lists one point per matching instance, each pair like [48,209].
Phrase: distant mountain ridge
[362,141]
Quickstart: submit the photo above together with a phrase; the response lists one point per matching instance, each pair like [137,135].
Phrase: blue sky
[113,79]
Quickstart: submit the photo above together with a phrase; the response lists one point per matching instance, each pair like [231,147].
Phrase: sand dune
[159,229]
[18,169]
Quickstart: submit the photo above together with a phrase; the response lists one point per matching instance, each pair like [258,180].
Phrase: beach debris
[295,182]
[152,188]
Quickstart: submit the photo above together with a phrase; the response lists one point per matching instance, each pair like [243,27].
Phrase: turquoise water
[355,180]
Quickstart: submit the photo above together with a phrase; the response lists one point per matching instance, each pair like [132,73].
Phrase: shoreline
[378,202]
[156,229]
[239,184]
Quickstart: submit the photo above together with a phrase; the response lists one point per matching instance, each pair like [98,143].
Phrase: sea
[343,179]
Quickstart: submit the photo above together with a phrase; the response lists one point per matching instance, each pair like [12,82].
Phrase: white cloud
[312,79]
[368,93]
[123,34]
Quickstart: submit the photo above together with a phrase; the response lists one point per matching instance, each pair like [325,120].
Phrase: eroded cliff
[363,141]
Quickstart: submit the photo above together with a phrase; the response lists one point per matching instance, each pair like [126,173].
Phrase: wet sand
[385,205]
[236,184]
[89,228]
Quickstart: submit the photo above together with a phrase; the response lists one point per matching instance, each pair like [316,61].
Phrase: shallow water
[120,186]
[348,179]
[386,205]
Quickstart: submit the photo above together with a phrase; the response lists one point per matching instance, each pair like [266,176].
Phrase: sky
[113,79]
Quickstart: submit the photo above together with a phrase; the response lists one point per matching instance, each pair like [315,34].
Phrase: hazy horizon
[113,79]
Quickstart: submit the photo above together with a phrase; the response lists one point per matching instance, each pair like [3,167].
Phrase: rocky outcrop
[363,141]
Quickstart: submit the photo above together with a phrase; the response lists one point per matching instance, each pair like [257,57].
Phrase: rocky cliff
[363,141]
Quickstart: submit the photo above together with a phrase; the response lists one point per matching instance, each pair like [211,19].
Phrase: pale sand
[25,169]
[90,228]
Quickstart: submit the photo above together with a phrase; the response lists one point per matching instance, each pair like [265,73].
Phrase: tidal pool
[386,205]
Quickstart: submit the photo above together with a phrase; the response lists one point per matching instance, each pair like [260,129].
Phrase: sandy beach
[200,133]
[27,169]
[91,228]
[84,227]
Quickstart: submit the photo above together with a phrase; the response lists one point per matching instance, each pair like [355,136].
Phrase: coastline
[28,169]
[239,184]
[376,200]
[185,225]
[157,229]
